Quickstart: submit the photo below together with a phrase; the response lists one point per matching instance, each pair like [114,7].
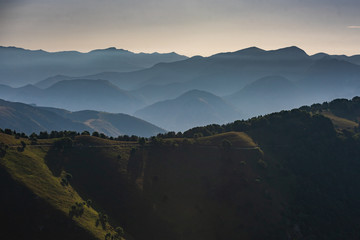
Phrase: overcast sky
[190,27]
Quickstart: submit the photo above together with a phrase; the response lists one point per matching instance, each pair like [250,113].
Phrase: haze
[190,27]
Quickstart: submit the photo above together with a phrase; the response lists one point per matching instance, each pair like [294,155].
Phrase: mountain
[29,119]
[191,109]
[111,124]
[226,73]
[21,66]
[37,201]
[330,78]
[355,59]
[75,95]
[286,175]
[51,81]
[266,95]
[316,78]
[151,94]
[83,94]
[220,73]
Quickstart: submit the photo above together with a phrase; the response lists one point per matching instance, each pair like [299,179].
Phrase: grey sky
[189,27]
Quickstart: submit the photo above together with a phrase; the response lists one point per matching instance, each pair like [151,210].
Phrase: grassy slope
[100,167]
[28,167]
[173,190]
[339,122]
[195,190]
[238,139]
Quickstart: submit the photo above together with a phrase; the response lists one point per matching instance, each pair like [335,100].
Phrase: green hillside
[286,175]
[27,167]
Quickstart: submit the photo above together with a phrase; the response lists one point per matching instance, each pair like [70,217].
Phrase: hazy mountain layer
[29,119]
[20,66]
[245,78]
[77,95]
[324,76]
[220,73]
[192,108]
[266,95]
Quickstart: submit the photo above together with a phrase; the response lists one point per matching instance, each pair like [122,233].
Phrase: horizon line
[174,52]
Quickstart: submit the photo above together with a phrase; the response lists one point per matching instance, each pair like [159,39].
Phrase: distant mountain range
[21,66]
[76,95]
[28,119]
[225,73]
[251,82]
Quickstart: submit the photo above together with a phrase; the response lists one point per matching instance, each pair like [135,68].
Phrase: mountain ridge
[34,65]
[25,118]
[189,109]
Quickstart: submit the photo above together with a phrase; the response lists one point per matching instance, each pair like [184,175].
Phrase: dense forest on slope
[292,174]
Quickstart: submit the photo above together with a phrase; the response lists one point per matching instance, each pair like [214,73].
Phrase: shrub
[108,236]
[102,219]
[68,176]
[119,233]
[64,182]
[76,210]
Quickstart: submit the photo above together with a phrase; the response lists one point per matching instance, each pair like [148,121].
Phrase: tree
[108,236]
[142,141]
[8,131]
[88,202]
[119,233]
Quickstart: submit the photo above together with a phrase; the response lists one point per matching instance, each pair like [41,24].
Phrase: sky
[189,27]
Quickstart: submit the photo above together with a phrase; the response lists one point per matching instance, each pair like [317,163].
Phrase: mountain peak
[110,49]
[196,93]
[251,50]
[292,51]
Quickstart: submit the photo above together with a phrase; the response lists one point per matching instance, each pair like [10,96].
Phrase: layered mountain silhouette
[20,66]
[220,73]
[266,95]
[76,95]
[28,119]
[253,80]
[352,59]
[225,73]
[192,108]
